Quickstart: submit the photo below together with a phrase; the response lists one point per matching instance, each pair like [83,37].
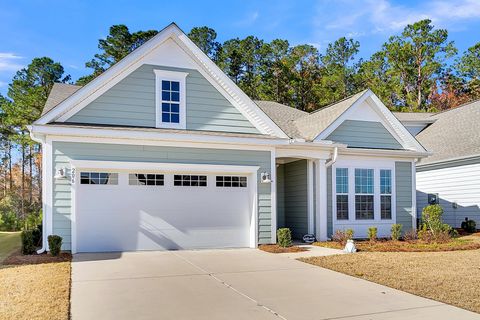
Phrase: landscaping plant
[372,233]
[284,237]
[55,244]
[396,231]
[433,229]
[28,242]
[469,225]
[349,234]
[341,236]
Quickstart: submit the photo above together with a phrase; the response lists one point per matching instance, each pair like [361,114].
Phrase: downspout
[44,212]
[333,159]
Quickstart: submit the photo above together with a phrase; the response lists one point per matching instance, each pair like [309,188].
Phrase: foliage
[410,235]
[55,244]
[28,242]
[372,233]
[396,231]
[284,237]
[433,229]
[469,225]
[341,236]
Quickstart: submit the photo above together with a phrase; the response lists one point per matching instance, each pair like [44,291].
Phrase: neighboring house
[452,173]
[164,151]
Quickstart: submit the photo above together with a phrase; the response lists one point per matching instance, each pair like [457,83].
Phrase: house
[164,151]
[451,175]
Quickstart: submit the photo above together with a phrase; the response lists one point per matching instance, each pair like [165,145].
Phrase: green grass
[9,242]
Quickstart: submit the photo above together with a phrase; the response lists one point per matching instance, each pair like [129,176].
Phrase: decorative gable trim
[389,121]
[131,62]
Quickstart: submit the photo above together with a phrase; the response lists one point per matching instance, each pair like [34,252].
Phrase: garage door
[127,211]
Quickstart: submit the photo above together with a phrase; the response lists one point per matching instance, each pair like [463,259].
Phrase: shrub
[55,244]
[469,225]
[410,235]
[37,236]
[28,244]
[284,237]
[10,222]
[372,233]
[349,234]
[396,231]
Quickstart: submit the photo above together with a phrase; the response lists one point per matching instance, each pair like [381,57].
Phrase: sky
[68,31]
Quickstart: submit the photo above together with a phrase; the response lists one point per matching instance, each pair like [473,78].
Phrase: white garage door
[127,211]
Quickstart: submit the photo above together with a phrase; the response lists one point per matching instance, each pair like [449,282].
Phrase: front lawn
[450,277]
[32,289]
[9,242]
[468,242]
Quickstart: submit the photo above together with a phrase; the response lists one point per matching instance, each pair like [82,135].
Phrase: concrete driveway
[233,284]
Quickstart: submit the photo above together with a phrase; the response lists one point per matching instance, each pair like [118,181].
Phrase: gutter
[333,159]
[44,212]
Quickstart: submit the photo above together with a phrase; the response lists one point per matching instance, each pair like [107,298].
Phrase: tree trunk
[30,165]
[23,182]
[10,165]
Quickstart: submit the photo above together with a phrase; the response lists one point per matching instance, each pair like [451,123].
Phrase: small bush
[410,235]
[284,237]
[341,236]
[372,233]
[55,244]
[396,231]
[28,244]
[349,234]
[469,225]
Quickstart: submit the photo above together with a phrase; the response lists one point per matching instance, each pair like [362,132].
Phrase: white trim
[414,195]
[391,123]
[77,165]
[351,165]
[321,201]
[170,76]
[310,195]
[120,70]
[273,196]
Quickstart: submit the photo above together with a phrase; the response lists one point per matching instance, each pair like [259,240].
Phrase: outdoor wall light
[61,173]
[265,177]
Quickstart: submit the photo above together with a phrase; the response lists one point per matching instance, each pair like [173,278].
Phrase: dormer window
[170,98]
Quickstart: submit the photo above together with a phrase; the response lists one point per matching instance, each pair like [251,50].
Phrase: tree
[468,67]
[417,59]
[115,47]
[205,38]
[338,70]
[275,84]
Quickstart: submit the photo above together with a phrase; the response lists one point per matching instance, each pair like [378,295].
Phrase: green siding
[131,102]
[281,196]
[63,152]
[296,203]
[364,134]
[403,190]
[329,203]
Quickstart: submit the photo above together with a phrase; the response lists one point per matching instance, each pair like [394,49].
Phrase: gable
[364,134]
[131,102]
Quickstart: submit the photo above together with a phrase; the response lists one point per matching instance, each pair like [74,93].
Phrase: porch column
[310,197]
[321,200]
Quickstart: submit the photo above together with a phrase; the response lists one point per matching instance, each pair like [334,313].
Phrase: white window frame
[386,194]
[351,165]
[342,193]
[170,76]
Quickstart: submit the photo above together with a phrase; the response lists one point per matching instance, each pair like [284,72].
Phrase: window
[342,193]
[189,180]
[145,179]
[231,181]
[170,99]
[386,194]
[98,178]
[364,194]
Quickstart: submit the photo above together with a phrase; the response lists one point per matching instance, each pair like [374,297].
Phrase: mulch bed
[274,248]
[17,258]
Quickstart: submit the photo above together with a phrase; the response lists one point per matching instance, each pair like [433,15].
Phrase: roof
[59,92]
[284,116]
[453,135]
[414,116]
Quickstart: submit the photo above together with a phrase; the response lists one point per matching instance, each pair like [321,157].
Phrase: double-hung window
[170,99]
[385,194]
[364,194]
[342,193]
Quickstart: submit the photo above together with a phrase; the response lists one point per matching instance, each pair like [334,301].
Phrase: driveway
[233,284]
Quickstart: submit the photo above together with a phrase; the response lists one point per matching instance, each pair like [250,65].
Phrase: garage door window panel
[146,179]
[231,181]
[99,178]
[190,180]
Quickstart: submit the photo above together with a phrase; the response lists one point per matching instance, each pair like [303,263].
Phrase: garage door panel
[127,218]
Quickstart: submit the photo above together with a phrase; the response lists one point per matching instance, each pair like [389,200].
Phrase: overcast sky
[68,31]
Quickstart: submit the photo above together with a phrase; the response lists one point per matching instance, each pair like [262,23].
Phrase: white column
[414,195]
[321,200]
[273,196]
[310,195]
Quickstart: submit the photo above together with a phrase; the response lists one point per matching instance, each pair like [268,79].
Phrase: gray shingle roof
[284,116]
[414,116]
[454,134]
[59,92]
